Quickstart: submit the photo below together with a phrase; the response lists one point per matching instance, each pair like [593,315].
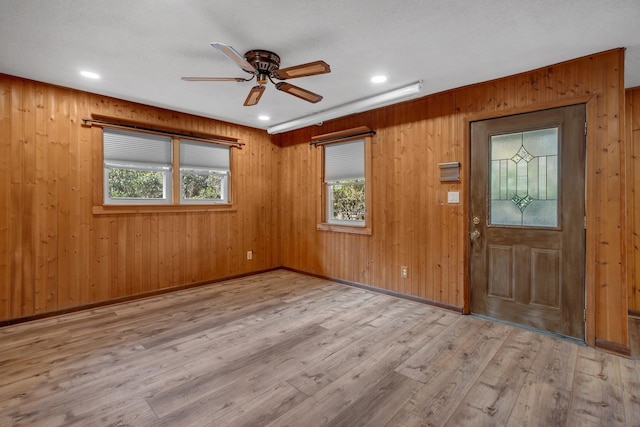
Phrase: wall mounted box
[449,171]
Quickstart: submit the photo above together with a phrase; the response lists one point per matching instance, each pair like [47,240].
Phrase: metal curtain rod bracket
[236,144]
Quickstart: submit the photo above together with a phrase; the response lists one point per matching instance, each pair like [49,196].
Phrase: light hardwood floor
[281,348]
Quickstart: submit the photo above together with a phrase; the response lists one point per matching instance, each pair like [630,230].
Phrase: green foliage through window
[135,184]
[202,186]
[347,200]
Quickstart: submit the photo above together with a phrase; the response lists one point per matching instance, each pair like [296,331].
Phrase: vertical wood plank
[16,203]
[45,284]
[52,185]
[77,209]
[632,139]
[6,144]
[29,209]
[65,157]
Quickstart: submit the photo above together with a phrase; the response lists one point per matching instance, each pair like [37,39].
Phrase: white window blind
[196,155]
[125,149]
[344,161]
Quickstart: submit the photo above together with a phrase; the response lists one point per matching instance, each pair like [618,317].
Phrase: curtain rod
[340,138]
[164,132]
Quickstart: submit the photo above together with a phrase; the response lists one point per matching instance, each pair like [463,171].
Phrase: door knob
[476,220]
[475,234]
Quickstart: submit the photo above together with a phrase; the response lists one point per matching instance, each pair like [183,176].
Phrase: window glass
[524,178]
[346,201]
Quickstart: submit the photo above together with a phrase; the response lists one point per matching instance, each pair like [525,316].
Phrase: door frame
[589,285]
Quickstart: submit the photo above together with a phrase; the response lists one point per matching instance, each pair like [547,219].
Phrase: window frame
[346,226]
[329,204]
[203,170]
[224,187]
[172,185]
[166,191]
[161,162]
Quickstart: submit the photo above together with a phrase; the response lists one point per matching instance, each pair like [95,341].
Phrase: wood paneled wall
[412,223]
[632,138]
[56,254]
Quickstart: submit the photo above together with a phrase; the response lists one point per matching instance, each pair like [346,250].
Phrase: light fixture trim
[377,101]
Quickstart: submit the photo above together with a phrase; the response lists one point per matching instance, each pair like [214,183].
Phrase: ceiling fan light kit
[264,66]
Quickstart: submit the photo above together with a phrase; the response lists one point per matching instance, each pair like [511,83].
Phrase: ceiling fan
[265,65]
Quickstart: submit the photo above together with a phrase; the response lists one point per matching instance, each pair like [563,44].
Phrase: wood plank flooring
[284,349]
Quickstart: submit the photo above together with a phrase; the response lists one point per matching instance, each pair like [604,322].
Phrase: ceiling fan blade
[254,96]
[299,92]
[302,70]
[233,55]
[214,79]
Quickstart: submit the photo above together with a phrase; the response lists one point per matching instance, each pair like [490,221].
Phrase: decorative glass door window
[524,178]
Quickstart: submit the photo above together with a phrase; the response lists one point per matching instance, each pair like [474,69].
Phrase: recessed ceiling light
[264,118]
[379,79]
[90,75]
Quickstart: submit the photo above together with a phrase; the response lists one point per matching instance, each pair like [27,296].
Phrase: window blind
[196,155]
[344,161]
[123,148]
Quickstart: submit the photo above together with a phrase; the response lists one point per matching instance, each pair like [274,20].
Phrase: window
[345,183]
[524,178]
[139,168]
[204,171]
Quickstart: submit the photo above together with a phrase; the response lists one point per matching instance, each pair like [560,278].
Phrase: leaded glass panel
[524,178]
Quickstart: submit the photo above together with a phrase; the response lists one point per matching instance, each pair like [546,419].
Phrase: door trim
[590,287]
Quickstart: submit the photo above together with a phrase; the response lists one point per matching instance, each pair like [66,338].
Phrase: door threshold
[531,329]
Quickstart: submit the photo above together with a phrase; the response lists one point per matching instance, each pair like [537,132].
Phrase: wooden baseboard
[613,347]
[121,300]
[634,313]
[380,290]
[38,316]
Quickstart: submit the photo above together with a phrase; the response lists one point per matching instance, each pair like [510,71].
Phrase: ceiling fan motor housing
[263,60]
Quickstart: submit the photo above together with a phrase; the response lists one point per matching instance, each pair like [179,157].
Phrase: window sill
[344,229]
[141,209]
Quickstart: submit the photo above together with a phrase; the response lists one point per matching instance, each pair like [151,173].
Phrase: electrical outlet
[249,254]
[404,271]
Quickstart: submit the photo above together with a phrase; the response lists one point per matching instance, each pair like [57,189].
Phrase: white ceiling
[141,48]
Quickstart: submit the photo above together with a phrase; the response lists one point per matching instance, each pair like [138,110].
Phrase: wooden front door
[527,219]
